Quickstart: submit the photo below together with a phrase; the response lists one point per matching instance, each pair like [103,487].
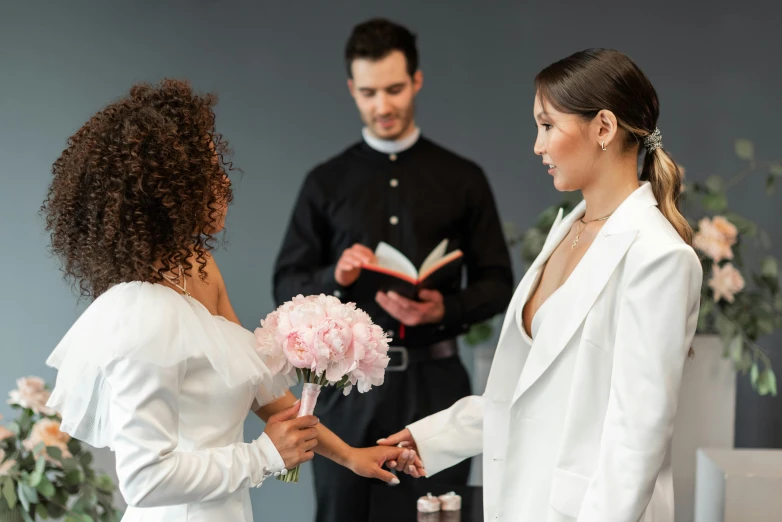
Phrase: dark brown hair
[138,183]
[603,79]
[377,38]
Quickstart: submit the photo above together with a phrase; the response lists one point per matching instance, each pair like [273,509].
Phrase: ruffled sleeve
[154,326]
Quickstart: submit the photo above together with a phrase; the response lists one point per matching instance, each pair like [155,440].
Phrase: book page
[392,259]
[434,257]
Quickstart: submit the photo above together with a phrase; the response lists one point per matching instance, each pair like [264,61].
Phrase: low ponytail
[666,180]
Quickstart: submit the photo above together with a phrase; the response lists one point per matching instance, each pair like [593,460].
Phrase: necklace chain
[174,282]
[578,234]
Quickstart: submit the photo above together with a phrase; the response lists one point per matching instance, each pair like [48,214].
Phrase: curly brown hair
[143,181]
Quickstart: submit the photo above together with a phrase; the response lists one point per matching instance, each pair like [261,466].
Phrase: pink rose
[726,228]
[48,432]
[5,433]
[715,238]
[31,393]
[726,281]
[5,465]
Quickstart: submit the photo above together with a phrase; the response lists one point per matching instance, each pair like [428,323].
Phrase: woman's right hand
[294,438]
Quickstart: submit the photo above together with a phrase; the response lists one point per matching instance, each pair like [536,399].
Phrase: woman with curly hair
[158,368]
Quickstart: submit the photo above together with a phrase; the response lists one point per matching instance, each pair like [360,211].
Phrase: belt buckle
[402,351]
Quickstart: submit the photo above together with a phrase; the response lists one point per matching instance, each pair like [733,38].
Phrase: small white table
[738,485]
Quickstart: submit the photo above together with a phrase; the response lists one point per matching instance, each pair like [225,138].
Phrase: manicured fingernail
[403,444]
[411,469]
[394,481]
[406,454]
[380,441]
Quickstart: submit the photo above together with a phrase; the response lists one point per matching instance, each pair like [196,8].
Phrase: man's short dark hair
[377,38]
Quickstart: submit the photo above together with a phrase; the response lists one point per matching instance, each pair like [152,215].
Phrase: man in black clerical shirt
[400,188]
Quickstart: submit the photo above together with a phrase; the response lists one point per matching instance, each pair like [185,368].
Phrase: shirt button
[393,220]
[394,182]
[337,293]
[392,157]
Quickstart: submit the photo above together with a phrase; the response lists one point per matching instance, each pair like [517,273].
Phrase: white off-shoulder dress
[154,376]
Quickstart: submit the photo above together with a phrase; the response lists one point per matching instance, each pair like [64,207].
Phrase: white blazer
[578,424]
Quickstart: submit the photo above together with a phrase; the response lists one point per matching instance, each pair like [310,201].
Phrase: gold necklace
[578,234]
[173,281]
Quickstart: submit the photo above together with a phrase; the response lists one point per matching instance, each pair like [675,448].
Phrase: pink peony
[726,281]
[334,345]
[31,393]
[330,339]
[715,238]
[269,347]
[299,347]
[48,432]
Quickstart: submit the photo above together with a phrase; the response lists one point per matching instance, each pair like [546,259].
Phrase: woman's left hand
[368,462]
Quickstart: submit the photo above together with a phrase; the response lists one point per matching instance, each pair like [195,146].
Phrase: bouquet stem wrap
[309,397]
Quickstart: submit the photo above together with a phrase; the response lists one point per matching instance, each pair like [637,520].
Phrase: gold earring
[603,145]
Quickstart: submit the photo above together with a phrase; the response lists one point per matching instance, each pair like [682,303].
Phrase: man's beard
[406,120]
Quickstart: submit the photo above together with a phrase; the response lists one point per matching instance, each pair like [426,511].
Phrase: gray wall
[277,67]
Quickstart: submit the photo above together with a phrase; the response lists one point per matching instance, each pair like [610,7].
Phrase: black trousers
[360,419]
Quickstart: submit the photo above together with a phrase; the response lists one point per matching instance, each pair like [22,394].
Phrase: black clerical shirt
[412,200]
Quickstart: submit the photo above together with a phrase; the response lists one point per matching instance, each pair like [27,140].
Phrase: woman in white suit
[577,416]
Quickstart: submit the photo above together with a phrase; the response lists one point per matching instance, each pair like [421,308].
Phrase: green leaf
[9,492]
[37,475]
[104,482]
[765,326]
[86,501]
[753,375]
[74,477]
[41,511]
[776,169]
[769,268]
[736,349]
[745,149]
[770,184]
[86,459]
[725,328]
[479,332]
[547,217]
[74,447]
[23,499]
[714,184]
[715,202]
[532,244]
[46,488]
[26,516]
[767,382]
[54,452]
[707,306]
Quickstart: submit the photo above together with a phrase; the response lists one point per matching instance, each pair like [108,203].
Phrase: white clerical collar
[390,146]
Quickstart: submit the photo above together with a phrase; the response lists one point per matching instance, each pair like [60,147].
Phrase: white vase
[705,417]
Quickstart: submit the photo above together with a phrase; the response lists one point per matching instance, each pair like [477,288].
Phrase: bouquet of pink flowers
[324,342]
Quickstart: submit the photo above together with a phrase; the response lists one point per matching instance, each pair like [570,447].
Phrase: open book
[395,272]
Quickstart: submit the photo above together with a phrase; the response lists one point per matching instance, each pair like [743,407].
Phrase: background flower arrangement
[741,299]
[43,472]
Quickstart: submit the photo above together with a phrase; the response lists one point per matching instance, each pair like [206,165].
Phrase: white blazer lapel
[579,294]
[586,282]
[511,349]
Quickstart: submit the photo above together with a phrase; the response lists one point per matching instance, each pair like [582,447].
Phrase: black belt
[402,357]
